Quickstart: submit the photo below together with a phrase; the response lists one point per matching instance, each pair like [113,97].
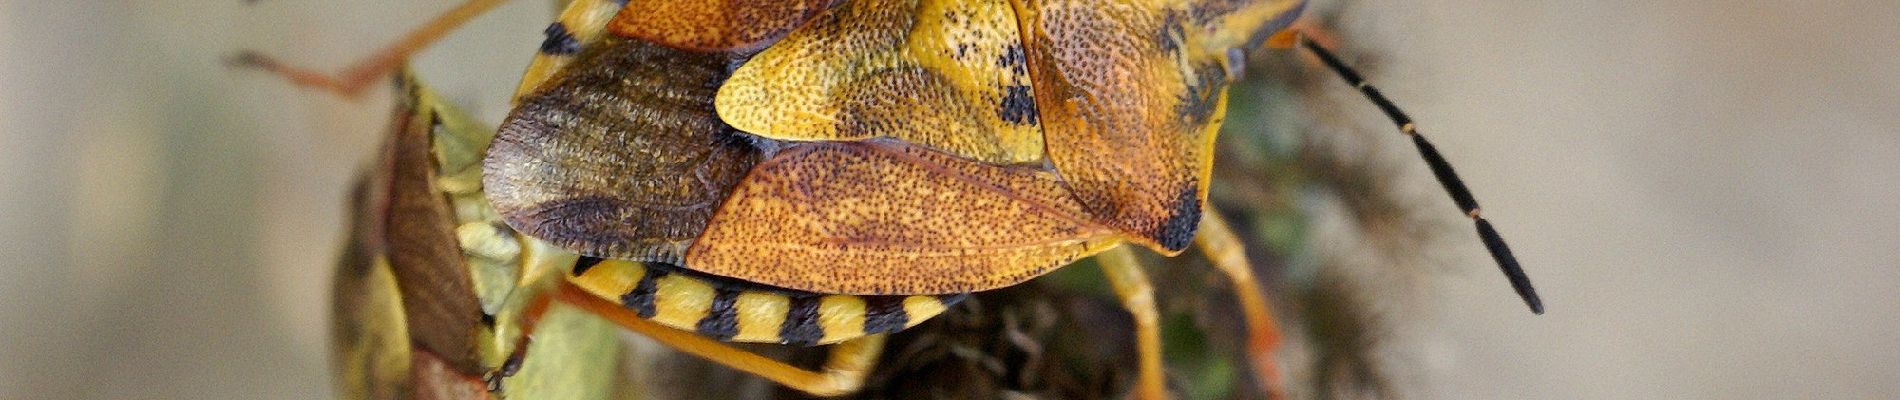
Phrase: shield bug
[825,172]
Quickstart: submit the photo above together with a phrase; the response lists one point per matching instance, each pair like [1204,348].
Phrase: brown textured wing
[1128,111]
[439,303]
[713,25]
[621,156]
[884,217]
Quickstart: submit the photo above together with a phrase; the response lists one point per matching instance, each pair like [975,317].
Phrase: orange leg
[1138,296]
[843,372]
[1228,254]
[360,75]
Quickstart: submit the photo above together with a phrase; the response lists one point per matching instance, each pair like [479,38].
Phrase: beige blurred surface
[1708,196]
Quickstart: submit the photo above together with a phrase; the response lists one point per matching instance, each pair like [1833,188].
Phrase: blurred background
[1707,196]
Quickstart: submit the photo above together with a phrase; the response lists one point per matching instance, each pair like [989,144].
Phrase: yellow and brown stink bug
[826,172]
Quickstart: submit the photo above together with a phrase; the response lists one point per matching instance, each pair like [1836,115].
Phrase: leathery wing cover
[1122,98]
[887,217]
[884,147]
[620,156]
[712,25]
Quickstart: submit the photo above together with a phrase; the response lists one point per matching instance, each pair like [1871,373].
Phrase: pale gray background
[1704,191]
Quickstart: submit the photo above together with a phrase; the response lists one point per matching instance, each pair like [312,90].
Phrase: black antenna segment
[1441,169]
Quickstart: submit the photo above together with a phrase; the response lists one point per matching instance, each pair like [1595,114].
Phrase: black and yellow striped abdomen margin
[740,312]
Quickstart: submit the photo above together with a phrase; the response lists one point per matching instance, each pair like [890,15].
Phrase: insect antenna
[1442,169]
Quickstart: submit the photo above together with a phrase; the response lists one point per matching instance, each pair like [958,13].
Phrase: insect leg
[1225,250]
[1138,296]
[844,371]
[360,75]
[1441,169]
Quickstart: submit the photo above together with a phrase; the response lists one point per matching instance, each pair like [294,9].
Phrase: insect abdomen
[744,313]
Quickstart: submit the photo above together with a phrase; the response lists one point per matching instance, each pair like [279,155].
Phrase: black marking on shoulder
[801,322]
[488,320]
[585,263]
[1013,59]
[559,41]
[722,319]
[1178,231]
[640,299]
[884,314]
[1018,105]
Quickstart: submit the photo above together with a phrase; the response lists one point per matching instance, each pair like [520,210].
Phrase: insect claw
[493,379]
[508,368]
